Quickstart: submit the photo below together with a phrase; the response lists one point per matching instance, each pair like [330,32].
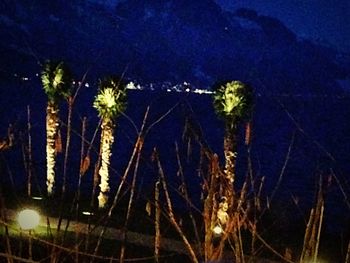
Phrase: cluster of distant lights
[184,87]
[37,75]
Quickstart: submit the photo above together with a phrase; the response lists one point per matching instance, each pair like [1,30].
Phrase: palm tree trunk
[52,123]
[107,140]
[228,191]
[230,153]
[230,147]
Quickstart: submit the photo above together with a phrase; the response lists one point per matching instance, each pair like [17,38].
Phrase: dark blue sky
[324,20]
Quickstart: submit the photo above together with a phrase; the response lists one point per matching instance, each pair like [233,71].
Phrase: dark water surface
[317,126]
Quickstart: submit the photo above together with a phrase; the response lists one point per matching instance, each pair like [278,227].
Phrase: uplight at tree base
[28,219]
[217,230]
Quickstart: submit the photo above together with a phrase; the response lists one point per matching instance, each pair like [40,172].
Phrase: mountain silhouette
[174,41]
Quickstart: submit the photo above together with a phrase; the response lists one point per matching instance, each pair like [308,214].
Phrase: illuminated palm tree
[109,102]
[56,80]
[232,103]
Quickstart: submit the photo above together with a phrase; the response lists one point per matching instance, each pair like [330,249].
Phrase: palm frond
[56,80]
[233,100]
[111,98]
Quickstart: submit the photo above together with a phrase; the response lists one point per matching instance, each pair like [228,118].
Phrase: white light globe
[28,219]
[218,230]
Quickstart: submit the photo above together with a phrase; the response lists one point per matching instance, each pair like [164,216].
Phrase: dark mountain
[157,41]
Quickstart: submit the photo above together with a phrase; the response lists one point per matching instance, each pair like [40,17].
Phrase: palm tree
[232,103]
[56,80]
[110,102]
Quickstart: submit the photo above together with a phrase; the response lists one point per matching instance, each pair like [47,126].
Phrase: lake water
[317,126]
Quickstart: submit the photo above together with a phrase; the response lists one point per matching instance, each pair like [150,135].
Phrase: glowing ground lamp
[28,219]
